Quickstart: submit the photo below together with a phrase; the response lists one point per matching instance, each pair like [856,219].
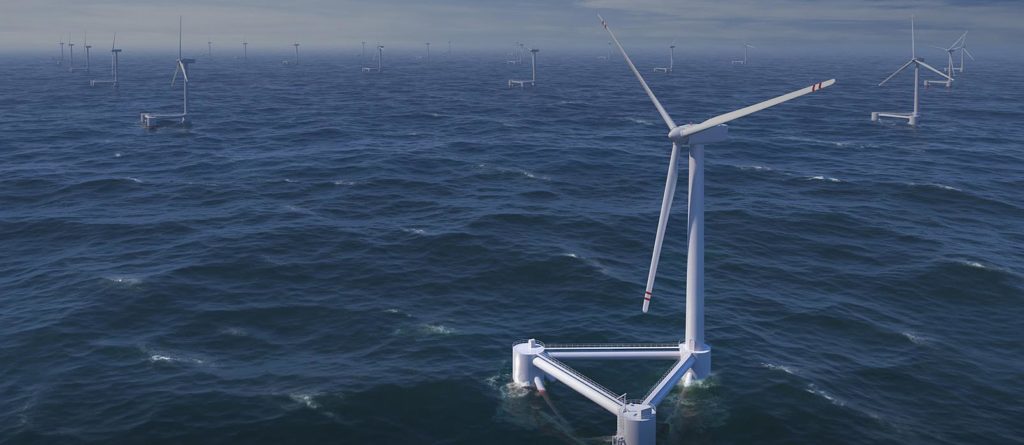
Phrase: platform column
[636,425]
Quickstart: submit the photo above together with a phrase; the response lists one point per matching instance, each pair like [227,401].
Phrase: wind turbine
[950,69]
[71,50]
[533,68]
[153,120]
[209,49]
[85,42]
[918,63]
[671,60]
[362,52]
[245,50]
[428,53]
[113,65]
[449,47]
[744,61]
[963,50]
[88,59]
[60,62]
[380,62]
[533,361]
[517,54]
[296,45]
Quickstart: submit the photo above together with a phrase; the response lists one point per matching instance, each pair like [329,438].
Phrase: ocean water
[332,257]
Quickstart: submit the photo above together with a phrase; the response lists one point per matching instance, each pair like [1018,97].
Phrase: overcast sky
[697,25]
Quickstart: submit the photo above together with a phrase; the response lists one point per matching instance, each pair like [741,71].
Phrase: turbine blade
[968,53]
[661,110]
[175,78]
[913,39]
[905,65]
[114,43]
[727,117]
[919,62]
[666,208]
[179,37]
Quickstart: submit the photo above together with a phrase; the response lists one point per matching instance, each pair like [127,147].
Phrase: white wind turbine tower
[71,51]
[517,54]
[209,49]
[534,362]
[362,52]
[113,65]
[296,45]
[380,62]
[746,46]
[153,120]
[950,69]
[671,60]
[88,58]
[245,50]
[428,53]
[918,63]
[533,68]
[60,62]
[85,42]
[963,50]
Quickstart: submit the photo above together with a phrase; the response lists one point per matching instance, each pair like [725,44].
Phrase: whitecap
[438,329]
[755,168]
[135,180]
[824,178]
[305,399]
[117,155]
[171,359]
[344,182]
[414,231]
[570,255]
[125,281]
[783,368]
[915,338]
[935,185]
[640,121]
[973,264]
[813,389]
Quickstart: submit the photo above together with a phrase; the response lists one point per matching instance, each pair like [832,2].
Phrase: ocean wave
[167,358]
[438,329]
[124,281]
[823,178]
[413,231]
[934,185]
[307,400]
[783,368]
[814,389]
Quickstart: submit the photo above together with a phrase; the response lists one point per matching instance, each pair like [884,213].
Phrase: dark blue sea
[327,256]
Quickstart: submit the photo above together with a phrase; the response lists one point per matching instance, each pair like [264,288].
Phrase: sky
[780,26]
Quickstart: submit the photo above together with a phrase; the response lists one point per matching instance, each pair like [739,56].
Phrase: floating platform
[521,83]
[154,120]
[94,83]
[662,70]
[911,118]
[945,83]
